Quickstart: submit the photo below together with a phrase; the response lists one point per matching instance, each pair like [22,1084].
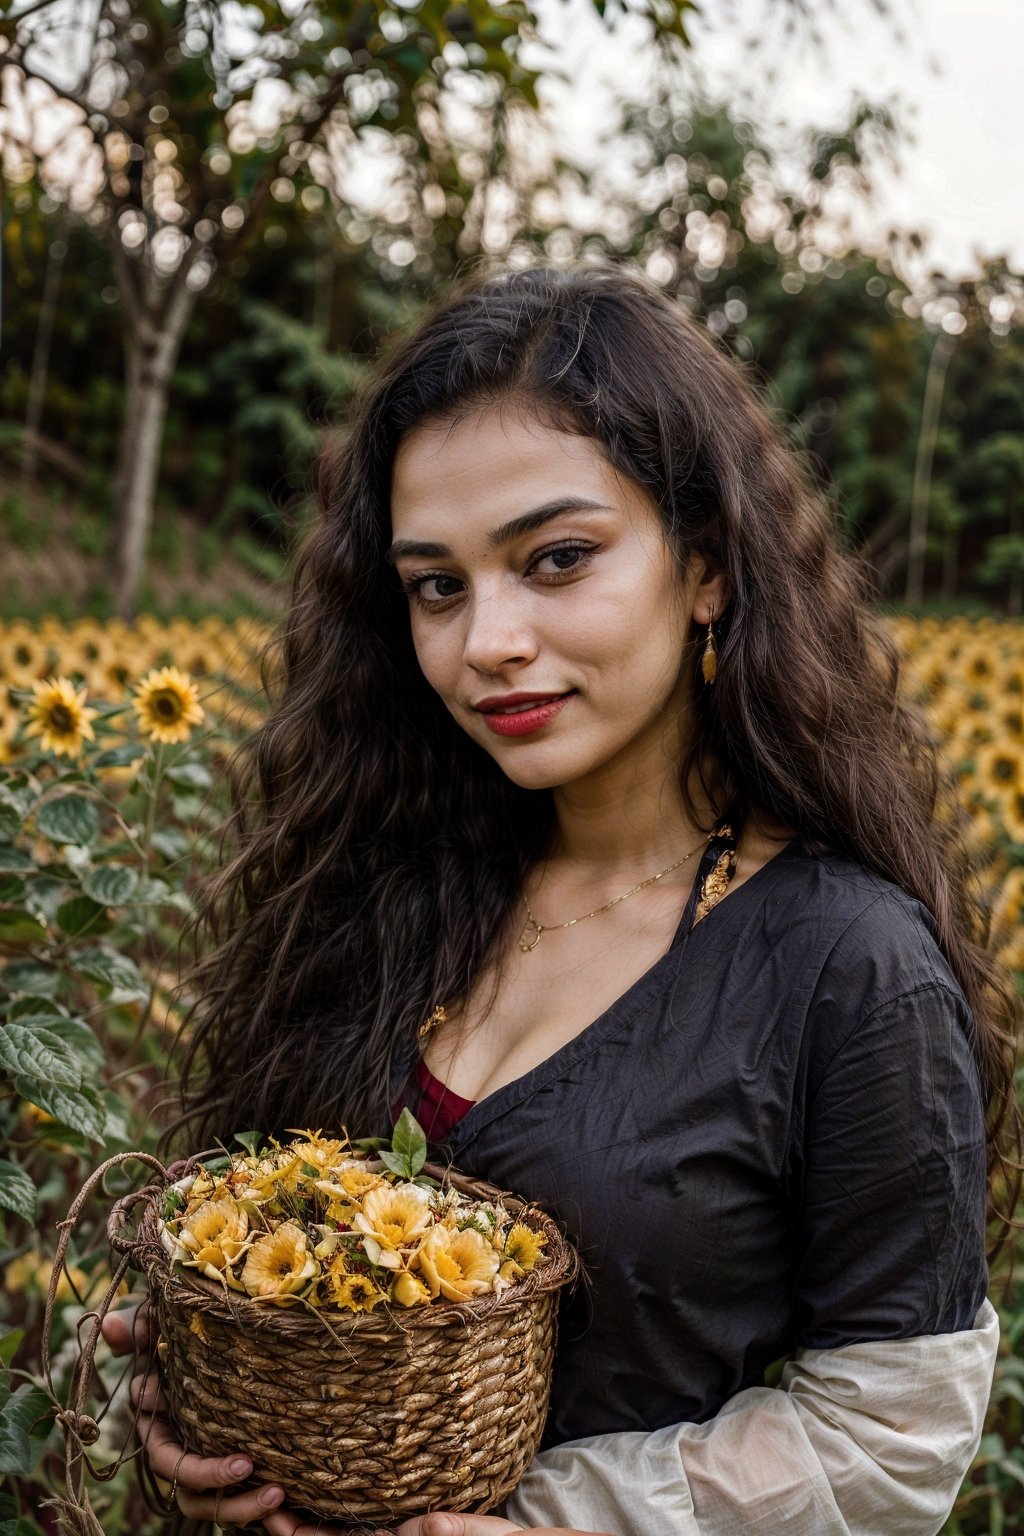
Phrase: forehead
[494,462]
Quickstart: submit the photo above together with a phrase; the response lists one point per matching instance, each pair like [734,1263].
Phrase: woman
[589,823]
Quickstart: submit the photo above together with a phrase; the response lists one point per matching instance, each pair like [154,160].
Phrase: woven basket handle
[120,1240]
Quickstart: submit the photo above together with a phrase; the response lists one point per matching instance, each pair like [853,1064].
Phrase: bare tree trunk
[41,353]
[154,330]
[942,351]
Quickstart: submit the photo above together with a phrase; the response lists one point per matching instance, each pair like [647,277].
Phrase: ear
[711,595]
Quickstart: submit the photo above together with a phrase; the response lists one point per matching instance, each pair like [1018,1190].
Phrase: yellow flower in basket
[458,1265]
[391,1219]
[409,1291]
[350,1180]
[213,1236]
[522,1249]
[278,1265]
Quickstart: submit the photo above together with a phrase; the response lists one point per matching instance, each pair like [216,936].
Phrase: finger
[284,1523]
[127,1329]
[229,1508]
[169,1459]
[441,1524]
[146,1392]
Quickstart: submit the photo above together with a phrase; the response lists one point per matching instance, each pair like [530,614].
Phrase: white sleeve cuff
[874,1436]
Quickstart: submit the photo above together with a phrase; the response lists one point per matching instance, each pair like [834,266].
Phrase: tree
[191,117]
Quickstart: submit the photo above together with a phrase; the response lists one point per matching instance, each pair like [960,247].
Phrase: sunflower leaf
[74,1032]
[82,915]
[27,978]
[80,1109]
[111,884]
[14,859]
[119,757]
[114,971]
[38,1053]
[17,1191]
[69,819]
[171,843]
[20,927]
[190,775]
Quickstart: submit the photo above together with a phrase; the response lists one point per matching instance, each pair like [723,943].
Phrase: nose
[498,633]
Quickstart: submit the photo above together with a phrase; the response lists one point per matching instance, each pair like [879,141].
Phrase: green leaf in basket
[250,1140]
[409,1143]
[395,1164]
[371,1143]
[174,1199]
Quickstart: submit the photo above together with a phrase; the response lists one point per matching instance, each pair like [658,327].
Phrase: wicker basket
[363,1418]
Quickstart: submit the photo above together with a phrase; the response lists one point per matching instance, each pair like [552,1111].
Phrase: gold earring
[709,660]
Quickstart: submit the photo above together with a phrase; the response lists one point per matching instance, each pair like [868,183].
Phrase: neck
[626,820]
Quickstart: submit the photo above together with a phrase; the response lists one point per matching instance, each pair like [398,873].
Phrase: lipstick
[524,722]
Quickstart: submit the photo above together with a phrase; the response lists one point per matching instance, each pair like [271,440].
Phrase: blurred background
[214,212]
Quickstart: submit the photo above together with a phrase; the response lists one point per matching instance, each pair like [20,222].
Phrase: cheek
[436,653]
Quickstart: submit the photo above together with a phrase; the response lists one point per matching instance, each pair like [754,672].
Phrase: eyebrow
[505,533]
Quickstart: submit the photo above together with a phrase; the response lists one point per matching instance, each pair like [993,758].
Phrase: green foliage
[100,854]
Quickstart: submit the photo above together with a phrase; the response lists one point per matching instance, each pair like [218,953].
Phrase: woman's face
[534,567]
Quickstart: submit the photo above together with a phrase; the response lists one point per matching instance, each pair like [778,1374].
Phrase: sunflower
[1000,766]
[357,1292]
[1010,809]
[167,704]
[1008,912]
[522,1251]
[26,655]
[977,665]
[58,716]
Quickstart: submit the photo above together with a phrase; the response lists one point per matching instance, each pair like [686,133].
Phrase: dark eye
[439,581]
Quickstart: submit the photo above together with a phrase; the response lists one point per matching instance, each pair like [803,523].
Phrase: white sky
[958,75]
[956,79]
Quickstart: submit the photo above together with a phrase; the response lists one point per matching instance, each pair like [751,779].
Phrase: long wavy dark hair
[377,855]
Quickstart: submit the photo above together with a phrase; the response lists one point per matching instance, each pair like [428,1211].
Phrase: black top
[773,1138]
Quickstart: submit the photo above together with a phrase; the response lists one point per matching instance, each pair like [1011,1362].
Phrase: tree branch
[261,192]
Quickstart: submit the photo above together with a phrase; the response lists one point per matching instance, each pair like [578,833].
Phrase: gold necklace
[537,929]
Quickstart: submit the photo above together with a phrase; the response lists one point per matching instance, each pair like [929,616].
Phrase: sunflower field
[113,741]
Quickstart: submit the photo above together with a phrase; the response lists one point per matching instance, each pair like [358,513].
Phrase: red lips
[501,701]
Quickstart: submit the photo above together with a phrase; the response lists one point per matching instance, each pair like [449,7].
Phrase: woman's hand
[198,1481]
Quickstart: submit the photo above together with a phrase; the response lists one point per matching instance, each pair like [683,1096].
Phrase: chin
[533,768]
